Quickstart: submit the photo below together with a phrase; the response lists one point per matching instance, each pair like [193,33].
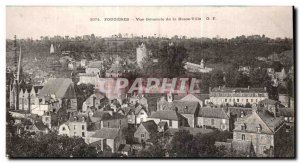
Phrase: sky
[33,22]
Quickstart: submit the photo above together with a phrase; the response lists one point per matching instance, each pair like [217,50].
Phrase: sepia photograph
[143,82]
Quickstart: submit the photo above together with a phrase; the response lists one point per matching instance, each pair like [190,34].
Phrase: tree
[49,145]
[182,145]
[259,78]
[217,78]
[169,63]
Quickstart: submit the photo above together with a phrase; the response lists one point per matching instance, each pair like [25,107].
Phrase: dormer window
[243,126]
[258,129]
[186,109]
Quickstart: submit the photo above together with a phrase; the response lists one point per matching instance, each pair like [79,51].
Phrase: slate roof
[263,119]
[150,126]
[210,112]
[106,133]
[61,87]
[166,115]
[126,110]
[96,144]
[286,112]
[98,96]
[138,109]
[238,110]
[79,118]
[105,115]
[185,107]
[162,124]
[40,126]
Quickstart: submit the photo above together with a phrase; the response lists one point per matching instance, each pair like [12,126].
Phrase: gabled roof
[150,126]
[125,110]
[60,87]
[210,112]
[261,119]
[139,108]
[166,115]
[190,97]
[185,107]
[40,126]
[106,133]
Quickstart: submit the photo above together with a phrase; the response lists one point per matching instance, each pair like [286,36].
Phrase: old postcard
[150,82]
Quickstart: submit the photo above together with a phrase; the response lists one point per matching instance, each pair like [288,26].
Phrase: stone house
[60,90]
[171,117]
[107,139]
[144,131]
[262,129]
[213,118]
[96,100]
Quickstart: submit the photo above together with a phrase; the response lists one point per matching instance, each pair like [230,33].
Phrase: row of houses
[102,122]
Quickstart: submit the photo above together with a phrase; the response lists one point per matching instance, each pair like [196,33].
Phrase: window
[212,122]
[243,137]
[142,120]
[75,133]
[63,128]
[120,122]
[82,127]
[74,127]
[170,123]
[237,100]
[142,135]
[243,127]
[251,100]
[246,100]
[258,129]
[223,121]
[107,124]
[83,134]
[226,100]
